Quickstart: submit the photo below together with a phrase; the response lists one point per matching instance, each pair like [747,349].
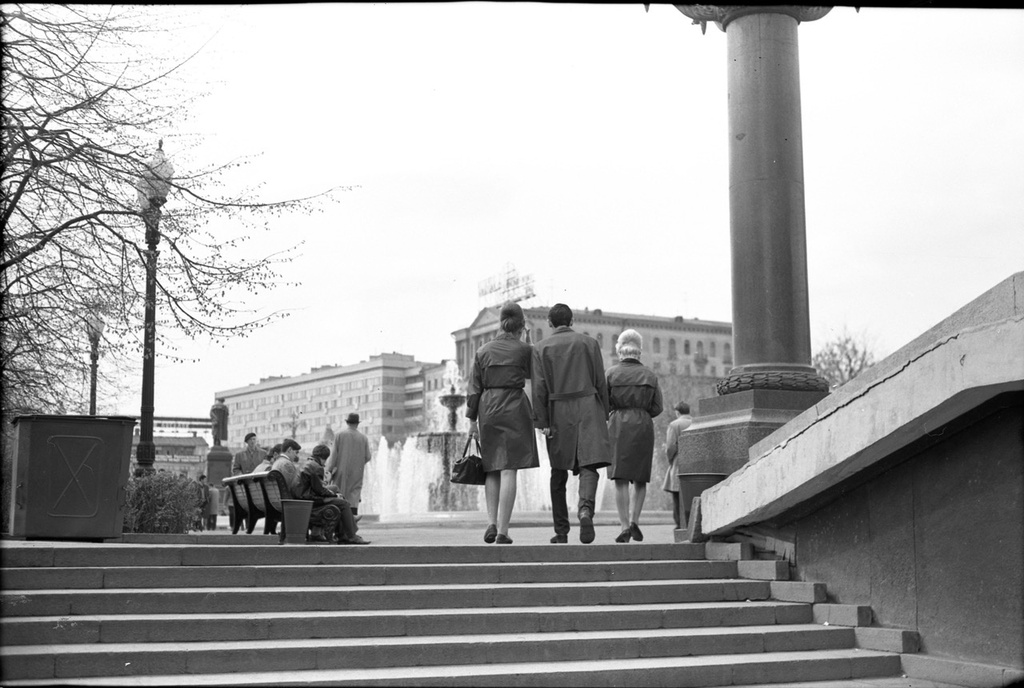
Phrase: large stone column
[773,379]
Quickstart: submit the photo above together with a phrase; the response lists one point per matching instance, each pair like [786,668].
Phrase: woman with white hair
[635,399]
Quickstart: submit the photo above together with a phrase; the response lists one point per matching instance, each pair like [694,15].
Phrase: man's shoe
[586,528]
[490,533]
[623,536]
[634,530]
[559,539]
[354,540]
[503,539]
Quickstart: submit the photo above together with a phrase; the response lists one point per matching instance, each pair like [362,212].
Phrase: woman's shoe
[503,539]
[623,536]
[491,533]
[634,530]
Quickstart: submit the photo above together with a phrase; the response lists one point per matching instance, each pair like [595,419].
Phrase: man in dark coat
[570,402]
[246,460]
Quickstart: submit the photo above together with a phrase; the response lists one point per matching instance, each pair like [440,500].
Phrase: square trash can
[69,476]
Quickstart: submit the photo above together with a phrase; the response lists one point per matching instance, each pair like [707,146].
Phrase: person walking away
[671,482]
[348,462]
[204,500]
[570,406]
[245,461]
[501,416]
[212,509]
[341,530]
[635,398]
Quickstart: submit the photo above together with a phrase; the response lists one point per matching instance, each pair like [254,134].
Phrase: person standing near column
[635,398]
[348,461]
[500,413]
[671,481]
[570,405]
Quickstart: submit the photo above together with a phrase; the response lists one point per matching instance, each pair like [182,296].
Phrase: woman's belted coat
[496,398]
[635,398]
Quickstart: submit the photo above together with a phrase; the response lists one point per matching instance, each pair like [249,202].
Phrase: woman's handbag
[469,470]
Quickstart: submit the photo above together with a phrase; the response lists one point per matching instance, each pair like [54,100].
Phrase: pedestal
[725,427]
[218,465]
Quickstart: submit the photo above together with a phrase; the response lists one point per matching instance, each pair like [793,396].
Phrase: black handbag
[469,470]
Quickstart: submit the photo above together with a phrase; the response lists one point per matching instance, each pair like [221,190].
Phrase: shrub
[161,503]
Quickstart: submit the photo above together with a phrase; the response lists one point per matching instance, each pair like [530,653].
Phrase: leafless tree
[85,100]
[843,358]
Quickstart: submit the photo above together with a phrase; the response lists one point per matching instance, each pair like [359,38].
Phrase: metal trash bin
[70,475]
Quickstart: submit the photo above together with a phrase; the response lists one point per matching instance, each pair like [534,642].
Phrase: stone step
[290,598]
[64,555]
[117,659]
[622,670]
[140,628]
[106,577]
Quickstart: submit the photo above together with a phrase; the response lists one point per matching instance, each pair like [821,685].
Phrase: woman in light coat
[634,398]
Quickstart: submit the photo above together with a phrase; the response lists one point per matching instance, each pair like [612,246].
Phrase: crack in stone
[937,345]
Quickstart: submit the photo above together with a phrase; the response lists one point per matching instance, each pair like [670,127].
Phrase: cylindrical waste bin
[295,523]
[70,475]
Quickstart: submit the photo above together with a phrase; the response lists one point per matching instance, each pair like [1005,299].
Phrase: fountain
[413,478]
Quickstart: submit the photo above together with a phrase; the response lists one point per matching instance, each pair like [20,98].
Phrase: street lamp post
[153,186]
[94,327]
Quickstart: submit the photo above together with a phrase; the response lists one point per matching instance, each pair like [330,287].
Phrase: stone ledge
[763,570]
[731,551]
[888,639]
[797,591]
[851,431]
[959,673]
[842,614]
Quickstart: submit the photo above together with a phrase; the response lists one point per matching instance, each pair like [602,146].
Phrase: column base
[772,376]
[725,427]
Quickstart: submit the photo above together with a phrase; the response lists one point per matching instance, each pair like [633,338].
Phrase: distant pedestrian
[204,500]
[635,398]
[671,482]
[497,405]
[246,460]
[212,509]
[570,403]
[348,461]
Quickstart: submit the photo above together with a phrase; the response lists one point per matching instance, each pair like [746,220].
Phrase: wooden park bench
[256,496]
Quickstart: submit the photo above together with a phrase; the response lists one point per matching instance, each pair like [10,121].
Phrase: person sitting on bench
[311,487]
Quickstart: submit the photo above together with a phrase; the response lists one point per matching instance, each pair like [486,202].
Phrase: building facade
[672,346]
[390,392]
[181,455]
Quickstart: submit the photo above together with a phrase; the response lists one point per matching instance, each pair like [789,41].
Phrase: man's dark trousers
[559,506]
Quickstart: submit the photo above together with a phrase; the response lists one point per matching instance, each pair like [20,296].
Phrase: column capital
[721,15]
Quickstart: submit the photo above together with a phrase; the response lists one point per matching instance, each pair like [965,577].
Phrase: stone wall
[936,543]
[904,489]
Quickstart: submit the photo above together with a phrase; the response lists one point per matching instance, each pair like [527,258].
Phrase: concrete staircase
[569,615]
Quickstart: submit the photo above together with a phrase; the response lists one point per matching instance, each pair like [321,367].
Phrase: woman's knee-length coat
[496,397]
[635,398]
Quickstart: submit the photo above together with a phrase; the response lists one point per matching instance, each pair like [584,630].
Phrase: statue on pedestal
[219,416]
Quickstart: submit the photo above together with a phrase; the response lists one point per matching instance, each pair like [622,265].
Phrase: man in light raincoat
[570,401]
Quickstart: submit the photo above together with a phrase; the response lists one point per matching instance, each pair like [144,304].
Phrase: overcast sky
[587,146]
